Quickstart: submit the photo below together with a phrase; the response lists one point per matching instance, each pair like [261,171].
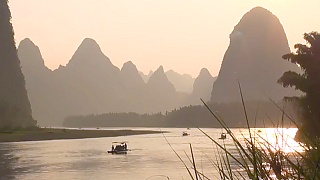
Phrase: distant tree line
[130,119]
[261,114]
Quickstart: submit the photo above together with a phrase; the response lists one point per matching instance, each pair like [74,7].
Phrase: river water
[150,156]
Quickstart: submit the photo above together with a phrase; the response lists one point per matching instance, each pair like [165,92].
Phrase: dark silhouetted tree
[12,84]
[307,56]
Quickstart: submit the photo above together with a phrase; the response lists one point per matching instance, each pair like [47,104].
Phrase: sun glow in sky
[183,35]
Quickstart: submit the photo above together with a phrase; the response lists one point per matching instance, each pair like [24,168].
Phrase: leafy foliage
[307,56]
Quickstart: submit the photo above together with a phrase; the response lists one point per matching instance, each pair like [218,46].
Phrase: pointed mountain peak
[258,19]
[89,45]
[202,86]
[130,69]
[150,73]
[26,42]
[30,54]
[131,77]
[259,9]
[129,66]
[129,63]
[205,72]
[89,54]
[160,80]
[258,13]
[158,75]
[159,70]
[89,42]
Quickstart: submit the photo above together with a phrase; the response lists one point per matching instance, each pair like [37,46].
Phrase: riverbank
[42,134]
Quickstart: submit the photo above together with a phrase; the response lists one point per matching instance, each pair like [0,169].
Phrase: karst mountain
[253,59]
[90,84]
[15,107]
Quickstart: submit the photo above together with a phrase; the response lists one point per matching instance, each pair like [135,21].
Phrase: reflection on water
[150,156]
[6,161]
[282,138]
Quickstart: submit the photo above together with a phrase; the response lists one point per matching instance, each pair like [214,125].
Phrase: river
[150,156]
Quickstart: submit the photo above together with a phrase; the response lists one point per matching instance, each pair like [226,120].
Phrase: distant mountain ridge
[146,77]
[202,87]
[131,76]
[90,83]
[182,82]
[159,80]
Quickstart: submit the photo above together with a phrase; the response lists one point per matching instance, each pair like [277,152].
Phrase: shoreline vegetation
[43,134]
[265,115]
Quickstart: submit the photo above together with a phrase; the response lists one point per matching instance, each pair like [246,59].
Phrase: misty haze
[158,89]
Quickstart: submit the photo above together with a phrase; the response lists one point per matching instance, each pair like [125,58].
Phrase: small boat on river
[223,136]
[185,134]
[119,148]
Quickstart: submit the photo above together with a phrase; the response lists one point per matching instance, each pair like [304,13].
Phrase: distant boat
[119,148]
[185,133]
[259,131]
[223,136]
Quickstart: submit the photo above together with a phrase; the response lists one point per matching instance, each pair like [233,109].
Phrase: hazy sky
[183,35]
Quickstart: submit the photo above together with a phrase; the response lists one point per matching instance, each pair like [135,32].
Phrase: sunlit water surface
[150,157]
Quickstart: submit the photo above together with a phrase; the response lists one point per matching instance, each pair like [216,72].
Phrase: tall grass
[257,158]
[261,159]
